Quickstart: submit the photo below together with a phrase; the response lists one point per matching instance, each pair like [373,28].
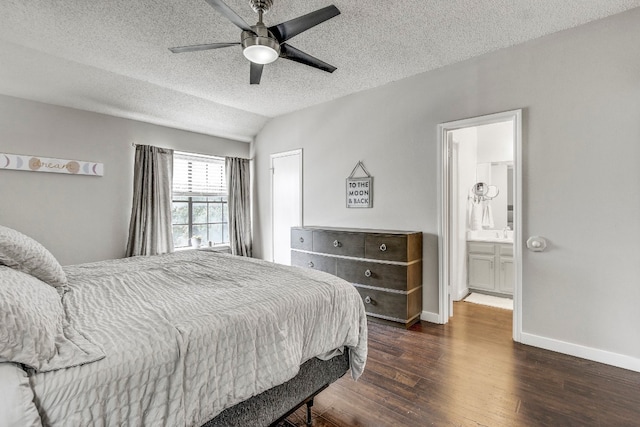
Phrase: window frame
[208,198]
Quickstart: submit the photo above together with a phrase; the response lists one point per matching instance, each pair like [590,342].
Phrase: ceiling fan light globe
[258,47]
[260,54]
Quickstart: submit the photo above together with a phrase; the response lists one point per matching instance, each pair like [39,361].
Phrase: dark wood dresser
[385,266]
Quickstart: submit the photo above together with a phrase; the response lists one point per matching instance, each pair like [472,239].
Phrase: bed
[192,338]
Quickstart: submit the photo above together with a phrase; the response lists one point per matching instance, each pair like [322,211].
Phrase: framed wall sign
[360,189]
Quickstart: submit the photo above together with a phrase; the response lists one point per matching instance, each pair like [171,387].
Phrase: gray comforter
[189,334]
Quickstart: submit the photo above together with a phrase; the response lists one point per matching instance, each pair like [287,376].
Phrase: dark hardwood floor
[471,373]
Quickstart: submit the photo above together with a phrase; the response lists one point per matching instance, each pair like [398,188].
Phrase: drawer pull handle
[336,244]
[310,264]
[302,240]
[367,300]
[383,247]
[367,273]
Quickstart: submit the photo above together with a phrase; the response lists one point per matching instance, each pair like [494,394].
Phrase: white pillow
[31,318]
[16,406]
[21,252]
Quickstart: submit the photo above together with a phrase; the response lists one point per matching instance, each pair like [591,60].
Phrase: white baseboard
[589,353]
[577,350]
[428,316]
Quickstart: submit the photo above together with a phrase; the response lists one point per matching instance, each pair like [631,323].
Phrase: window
[199,200]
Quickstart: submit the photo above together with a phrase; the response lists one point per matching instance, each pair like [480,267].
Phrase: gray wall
[81,218]
[580,91]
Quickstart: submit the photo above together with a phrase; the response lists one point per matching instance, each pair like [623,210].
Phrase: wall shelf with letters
[22,162]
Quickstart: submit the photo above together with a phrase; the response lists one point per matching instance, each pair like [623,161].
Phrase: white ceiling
[111,56]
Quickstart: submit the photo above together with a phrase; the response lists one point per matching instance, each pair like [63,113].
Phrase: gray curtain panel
[239,206]
[150,226]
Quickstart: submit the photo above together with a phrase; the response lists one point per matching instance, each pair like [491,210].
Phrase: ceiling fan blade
[255,73]
[227,12]
[196,47]
[292,28]
[289,52]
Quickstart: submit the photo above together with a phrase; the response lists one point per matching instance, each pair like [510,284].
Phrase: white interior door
[286,202]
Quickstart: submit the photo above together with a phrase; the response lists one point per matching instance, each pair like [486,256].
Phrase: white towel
[475,216]
[487,216]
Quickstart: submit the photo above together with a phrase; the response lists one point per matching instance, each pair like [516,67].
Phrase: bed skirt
[271,405]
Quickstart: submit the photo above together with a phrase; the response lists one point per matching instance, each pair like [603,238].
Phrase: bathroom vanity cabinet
[490,267]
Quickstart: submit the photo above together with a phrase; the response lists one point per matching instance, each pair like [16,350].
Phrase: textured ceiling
[111,56]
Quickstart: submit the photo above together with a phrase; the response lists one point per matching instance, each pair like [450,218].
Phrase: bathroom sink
[490,236]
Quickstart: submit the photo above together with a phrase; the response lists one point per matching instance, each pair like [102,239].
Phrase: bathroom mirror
[480,189]
[495,183]
[492,192]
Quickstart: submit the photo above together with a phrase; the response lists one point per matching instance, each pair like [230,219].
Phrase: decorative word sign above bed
[360,190]
[45,164]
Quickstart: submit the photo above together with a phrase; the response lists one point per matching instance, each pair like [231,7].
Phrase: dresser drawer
[385,247]
[317,262]
[339,243]
[389,276]
[301,239]
[388,304]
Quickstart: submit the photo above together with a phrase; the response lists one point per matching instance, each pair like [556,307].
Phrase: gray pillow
[31,318]
[21,252]
[35,329]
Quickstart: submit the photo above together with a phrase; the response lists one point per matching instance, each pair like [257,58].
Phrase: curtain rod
[134,145]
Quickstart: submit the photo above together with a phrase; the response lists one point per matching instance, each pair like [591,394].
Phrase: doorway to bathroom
[480,199]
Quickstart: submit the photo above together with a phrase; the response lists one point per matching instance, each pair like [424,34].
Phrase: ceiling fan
[261,44]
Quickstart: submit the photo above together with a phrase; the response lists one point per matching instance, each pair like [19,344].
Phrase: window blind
[198,175]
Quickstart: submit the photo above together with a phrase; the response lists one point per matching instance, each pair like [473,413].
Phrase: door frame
[444,207]
[272,157]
